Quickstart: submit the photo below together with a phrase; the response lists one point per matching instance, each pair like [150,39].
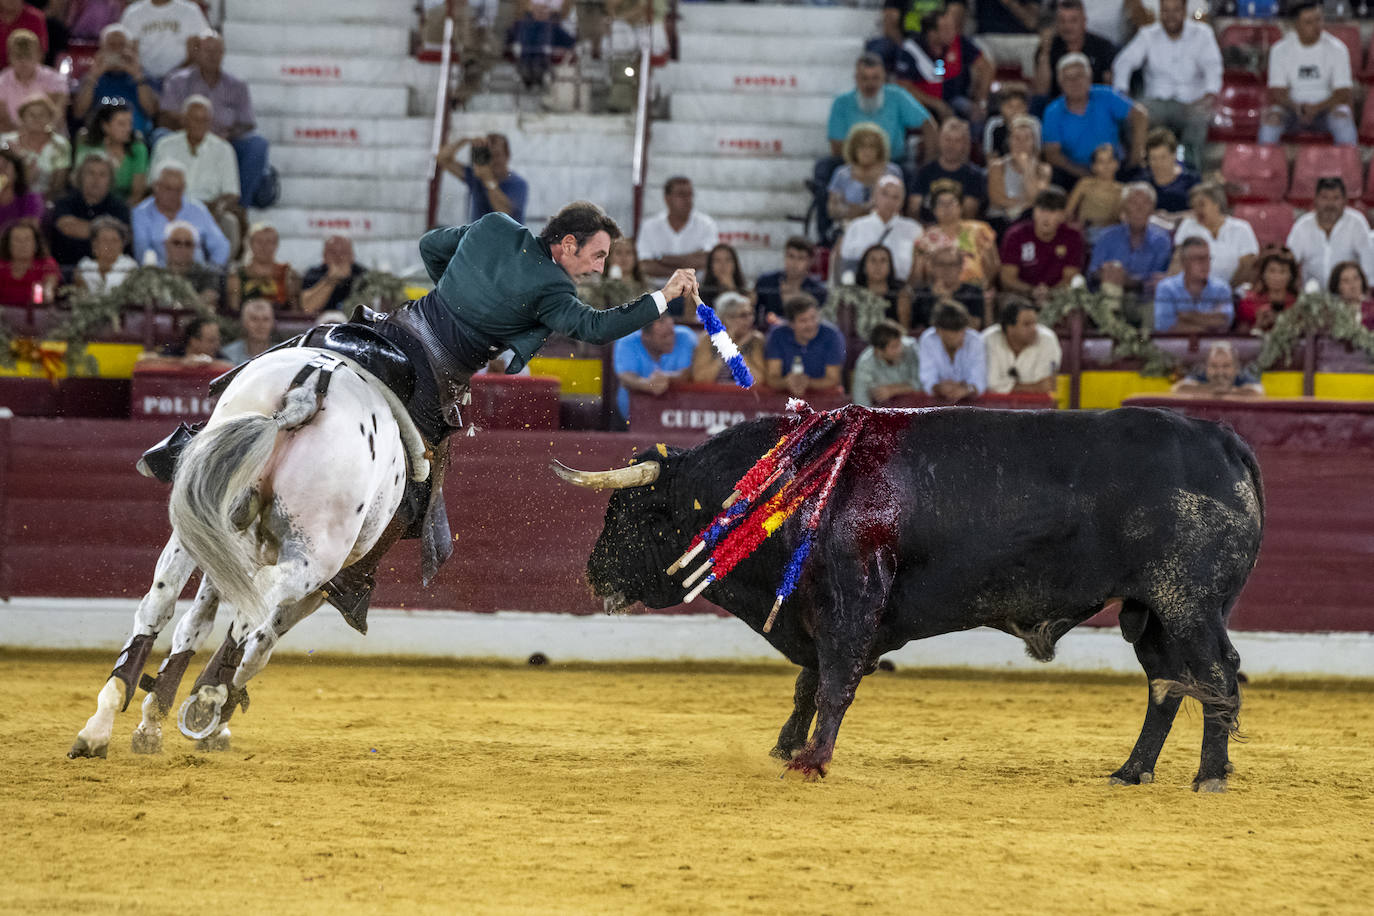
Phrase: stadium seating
[1271,221]
[1349,34]
[1255,172]
[1315,162]
[1368,199]
[1367,119]
[1245,49]
[1239,106]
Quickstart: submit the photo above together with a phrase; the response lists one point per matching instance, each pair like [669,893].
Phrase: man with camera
[492,186]
[117,73]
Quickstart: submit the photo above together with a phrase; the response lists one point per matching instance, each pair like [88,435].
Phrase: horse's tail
[213,475]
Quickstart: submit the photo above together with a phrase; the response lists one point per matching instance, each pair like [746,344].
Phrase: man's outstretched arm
[567,314]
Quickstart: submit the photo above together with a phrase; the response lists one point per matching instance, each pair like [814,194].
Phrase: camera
[481,155]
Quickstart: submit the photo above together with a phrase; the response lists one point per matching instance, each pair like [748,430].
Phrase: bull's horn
[636,475]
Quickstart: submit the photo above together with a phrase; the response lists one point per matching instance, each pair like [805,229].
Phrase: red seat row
[1261,36]
[1256,172]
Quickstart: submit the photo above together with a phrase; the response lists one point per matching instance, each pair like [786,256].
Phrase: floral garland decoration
[378,290]
[1314,312]
[1128,342]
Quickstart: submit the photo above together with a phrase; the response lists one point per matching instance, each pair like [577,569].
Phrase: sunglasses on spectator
[182,243]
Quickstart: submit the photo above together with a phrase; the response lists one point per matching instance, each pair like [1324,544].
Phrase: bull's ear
[636,475]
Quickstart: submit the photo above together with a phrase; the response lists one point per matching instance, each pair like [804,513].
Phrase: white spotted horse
[288,497]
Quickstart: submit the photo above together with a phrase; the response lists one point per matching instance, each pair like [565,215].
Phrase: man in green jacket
[499,287]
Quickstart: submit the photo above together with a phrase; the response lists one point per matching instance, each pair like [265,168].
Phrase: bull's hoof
[805,769]
[1144,779]
[80,749]
[146,741]
[780,752]
[1210,785]
[200,714]
[219,741]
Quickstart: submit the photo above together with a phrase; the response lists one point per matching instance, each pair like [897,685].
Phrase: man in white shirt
[1309,81]
[678,238]
[160,29]
[1022,354]
[1182,63]
[1330,234]
[212,169]
[884,226]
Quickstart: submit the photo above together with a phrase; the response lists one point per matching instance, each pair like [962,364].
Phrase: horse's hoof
[81,749]
[780,753]
[146,742]
[219,741]
[1210,785]
[1146,778]
[200,714]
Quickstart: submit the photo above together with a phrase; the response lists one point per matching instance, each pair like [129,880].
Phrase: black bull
[949,519]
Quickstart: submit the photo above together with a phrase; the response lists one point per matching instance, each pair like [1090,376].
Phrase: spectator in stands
[327,285]
[232,112]
[1171,179]
[27,272]
[1221,377]
[492,186]
[974,238]
[262,276]
[773,290]
[25,78]
[876,277]
[16,15]
[874,100]
[953,360]
[806,353]
[651,359]
[622,280]
[1309,80]
[900,19]
[16,200]
[181,241]
[1232,241]
[85,18]
[884,226]
[1191,302]
[1085,117]
[1069,36]
[850,193]
[1015,179]
[110,130]
[47,155]
[1275,291]
[1095,202]
[162,28]
[118,74]
[107,266]
[1351,286]
[944,71]
[1042,254]
[212,171]
[951,165]
[946,283]
[169,204]
[1023,355]
[680,236]
[537,32]
[887,368]
[1331,233]
[874,295]
[737,314]
[1130,258]
[1011,101]
[1182,64]
[199,347]
[1008,17]
[259,325]
[90,197]
[723,275]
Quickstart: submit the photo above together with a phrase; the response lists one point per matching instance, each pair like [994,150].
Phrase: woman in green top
[111,130]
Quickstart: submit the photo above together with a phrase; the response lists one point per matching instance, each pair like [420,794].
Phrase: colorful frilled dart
[720,339]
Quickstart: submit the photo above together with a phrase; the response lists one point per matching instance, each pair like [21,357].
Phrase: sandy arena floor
[408,788]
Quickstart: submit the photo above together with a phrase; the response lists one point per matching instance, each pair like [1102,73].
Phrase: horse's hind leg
[188,637]
[174,567]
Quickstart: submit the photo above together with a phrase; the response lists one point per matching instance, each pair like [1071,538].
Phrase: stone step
[312,191]
[318,222]
[304,37]
[745,77]
[743,140]
[779,23]
[362,162]
[734,203]
[282,98]
[778,173]
[330,70]
[750,108]
[342,131]
[301,12]
[832,50]
[767,234]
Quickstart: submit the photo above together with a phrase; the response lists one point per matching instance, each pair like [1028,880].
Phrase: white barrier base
[69,623]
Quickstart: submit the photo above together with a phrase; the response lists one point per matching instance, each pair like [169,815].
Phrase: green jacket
[503,286]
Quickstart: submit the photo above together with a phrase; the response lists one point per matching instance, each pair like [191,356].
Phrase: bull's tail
[213,475]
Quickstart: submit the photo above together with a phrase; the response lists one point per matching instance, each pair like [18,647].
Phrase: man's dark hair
[505,141]
[949,316]
[1013,90]
[799,243]
[1328,182]
[193,329]
[869,59]
[1160,136]
[581,219]
[1069,5]
[1012,311]
[884,332]
[674,182]
[1192,241]
[1297,7]
[799,304]
[1052,198]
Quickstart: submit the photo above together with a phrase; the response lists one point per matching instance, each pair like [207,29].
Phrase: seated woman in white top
[1232,241]
[108,266]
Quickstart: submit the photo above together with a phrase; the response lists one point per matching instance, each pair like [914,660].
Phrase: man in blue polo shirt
[492,186]
[1130,257]
[1085,117]
[806,353]
[1191,302]
[652,358]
